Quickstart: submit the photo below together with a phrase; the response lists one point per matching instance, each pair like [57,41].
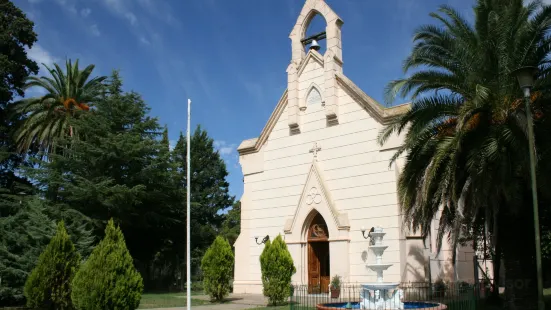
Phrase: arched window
[318,229]
[313,97]
[316,25]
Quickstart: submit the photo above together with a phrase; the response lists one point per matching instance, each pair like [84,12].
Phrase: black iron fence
[434,296]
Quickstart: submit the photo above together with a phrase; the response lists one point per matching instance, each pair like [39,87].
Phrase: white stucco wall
[351,167]
[356,173]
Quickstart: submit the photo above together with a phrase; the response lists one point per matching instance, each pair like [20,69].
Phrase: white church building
[317,176]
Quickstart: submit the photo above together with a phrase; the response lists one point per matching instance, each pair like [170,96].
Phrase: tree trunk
[516,238]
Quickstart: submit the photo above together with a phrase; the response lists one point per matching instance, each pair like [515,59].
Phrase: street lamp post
[525,76]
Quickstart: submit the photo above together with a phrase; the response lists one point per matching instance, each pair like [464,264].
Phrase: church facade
[316,176]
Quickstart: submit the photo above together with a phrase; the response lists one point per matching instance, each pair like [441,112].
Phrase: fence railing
[435,296]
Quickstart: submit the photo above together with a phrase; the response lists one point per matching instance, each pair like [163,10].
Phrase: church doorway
[318,256]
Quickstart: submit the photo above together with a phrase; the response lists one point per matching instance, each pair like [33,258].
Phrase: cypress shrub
[217,267]
[49,284]
[277,269]
[108,279]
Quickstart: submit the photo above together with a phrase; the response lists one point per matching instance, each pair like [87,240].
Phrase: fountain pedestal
[380,294]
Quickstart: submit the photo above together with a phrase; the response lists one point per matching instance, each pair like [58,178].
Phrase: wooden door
[313,270]
[318,267]
[318,256]
[323,254]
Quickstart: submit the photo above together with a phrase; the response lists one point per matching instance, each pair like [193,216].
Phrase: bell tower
[332,60]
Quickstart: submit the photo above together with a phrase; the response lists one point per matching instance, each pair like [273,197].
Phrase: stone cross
[315,149]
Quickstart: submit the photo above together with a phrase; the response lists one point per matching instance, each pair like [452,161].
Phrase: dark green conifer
[277,269]
[49,284]
[108,279]
[217,267]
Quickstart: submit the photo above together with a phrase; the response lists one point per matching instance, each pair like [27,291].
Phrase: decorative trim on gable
[380,113]
[312,54]
[253,145]
[304,102]
[340,219]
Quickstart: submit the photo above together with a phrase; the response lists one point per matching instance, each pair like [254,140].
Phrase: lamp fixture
[264,240]
[526,78]
[368,234]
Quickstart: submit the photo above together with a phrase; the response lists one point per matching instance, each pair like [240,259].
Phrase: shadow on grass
[169,300]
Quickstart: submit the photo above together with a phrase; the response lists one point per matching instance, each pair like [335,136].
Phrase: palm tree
[466,149]
[46,119]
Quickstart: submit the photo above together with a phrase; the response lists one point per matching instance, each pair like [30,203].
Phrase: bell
[315,45]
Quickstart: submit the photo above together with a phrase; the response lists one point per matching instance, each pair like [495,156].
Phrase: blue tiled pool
[407,305]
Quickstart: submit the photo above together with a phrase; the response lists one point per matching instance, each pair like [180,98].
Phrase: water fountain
[376,295]
[380,295]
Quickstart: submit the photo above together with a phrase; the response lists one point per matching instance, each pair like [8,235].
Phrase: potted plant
[335,286]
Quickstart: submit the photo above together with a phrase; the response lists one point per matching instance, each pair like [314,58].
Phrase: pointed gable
[328,80]
[315,195]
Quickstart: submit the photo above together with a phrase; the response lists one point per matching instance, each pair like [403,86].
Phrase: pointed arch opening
[314,24]
[317,236]
[313,96]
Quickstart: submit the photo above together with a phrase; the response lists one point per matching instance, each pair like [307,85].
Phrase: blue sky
[228,56]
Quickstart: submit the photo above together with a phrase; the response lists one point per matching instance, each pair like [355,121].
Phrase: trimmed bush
[49,284]
[217,267]
[277,269]
[108,279]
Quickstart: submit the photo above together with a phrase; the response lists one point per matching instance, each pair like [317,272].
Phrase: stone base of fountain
[358,305]
[381,296]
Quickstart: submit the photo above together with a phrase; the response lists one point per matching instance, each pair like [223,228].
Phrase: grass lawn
[167,300]
[547,297]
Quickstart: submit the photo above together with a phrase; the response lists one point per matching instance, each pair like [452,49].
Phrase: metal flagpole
[188,262]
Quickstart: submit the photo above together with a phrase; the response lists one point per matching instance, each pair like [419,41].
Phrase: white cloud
[41,56]
[94,30]
[160,10]
[172,144]
[144,40]
[85,12]
[120,8]
[224,148]
[131,18]
[69,5]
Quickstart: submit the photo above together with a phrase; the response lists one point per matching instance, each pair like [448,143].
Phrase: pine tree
[277,268]
[24,235]
[108,280]
[231,227]
[17,35]
[217,267]
[209,190]
[49,284]
[118,168]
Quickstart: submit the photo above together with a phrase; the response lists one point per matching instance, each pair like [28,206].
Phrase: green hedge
[217,267]
[49,284]
[277,269]
[108,280]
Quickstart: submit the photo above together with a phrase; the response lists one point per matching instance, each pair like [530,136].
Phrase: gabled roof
[315,179]
[313,55]
[381,113]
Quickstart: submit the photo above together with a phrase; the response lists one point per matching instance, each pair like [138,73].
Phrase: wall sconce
[264,240]
[368,234]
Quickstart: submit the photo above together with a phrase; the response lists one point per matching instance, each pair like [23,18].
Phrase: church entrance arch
[318,256]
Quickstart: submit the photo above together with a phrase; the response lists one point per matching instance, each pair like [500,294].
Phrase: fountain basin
[380,286]
[379,267]
[378,249]
[407,305]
